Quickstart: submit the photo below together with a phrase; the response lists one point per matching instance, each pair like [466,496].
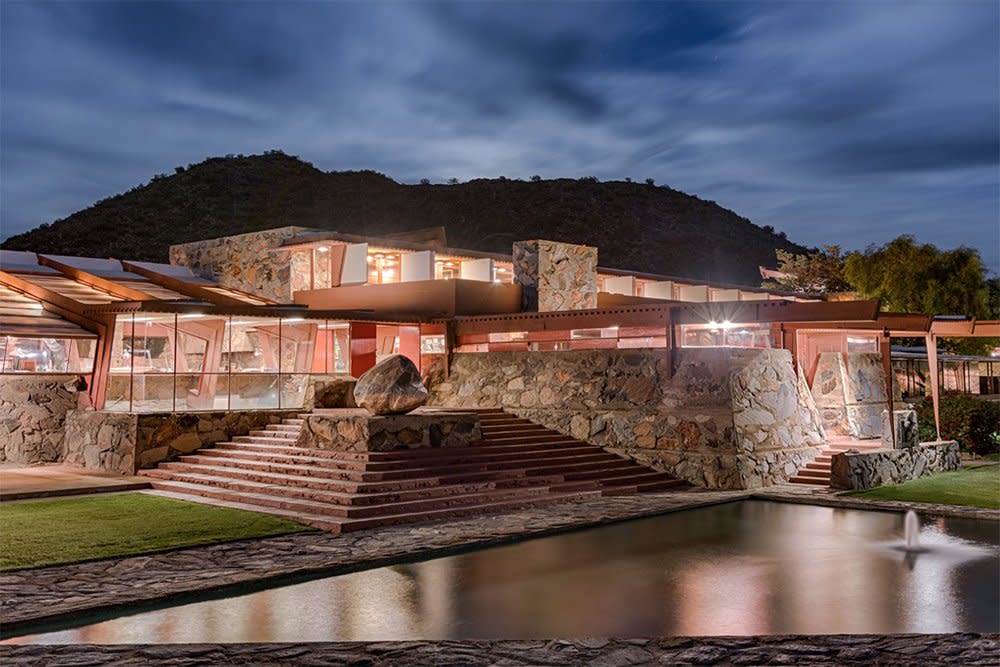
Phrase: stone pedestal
[356,430]
[555,276]
[905,422]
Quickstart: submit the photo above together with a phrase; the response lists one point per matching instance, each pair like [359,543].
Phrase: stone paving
[950,649]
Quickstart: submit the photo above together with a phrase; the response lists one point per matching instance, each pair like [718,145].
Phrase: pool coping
[965,649]
[47,598]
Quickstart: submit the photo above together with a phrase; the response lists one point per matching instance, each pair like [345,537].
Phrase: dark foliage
[973,422]
[652,229]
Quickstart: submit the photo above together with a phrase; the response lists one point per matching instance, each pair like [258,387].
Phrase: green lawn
[975,486]
[69,530]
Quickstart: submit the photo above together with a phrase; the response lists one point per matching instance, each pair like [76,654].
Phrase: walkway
[19,482]
[949,649]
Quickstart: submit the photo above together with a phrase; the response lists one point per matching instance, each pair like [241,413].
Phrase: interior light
[323,248]
[190,316]
[289,320]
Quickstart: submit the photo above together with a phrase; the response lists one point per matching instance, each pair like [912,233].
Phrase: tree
[650,181]
[914,278]
[920,278]
[452,181]
[536,178]
[425,181]
[819,272]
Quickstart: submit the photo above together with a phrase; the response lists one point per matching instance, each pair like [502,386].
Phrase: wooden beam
[183,287]
[95,281]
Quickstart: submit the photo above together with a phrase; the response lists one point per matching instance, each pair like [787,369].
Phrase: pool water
[745,568]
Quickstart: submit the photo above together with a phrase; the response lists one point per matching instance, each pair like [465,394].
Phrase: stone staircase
[817,472]
[517,464]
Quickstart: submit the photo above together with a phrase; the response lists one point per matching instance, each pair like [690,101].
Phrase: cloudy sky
[836,122]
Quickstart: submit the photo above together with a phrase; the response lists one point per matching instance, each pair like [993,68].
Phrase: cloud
[845,123]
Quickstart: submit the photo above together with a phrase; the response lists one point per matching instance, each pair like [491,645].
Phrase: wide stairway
[817,472]
[517,464]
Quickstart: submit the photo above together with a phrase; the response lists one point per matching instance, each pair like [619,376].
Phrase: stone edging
[827,499]
[938,649]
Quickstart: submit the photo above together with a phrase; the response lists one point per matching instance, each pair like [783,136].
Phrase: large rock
[392,386]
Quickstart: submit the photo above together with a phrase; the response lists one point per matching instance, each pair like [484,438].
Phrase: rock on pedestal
[390,387]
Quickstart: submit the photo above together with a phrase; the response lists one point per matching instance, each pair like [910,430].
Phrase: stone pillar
[555,276]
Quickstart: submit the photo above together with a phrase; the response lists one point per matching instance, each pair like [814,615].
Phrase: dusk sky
[839,122]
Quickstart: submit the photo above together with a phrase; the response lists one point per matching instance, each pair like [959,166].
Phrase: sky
[841,122]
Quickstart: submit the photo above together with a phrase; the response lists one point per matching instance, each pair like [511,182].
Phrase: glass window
[725,335]
[46,355]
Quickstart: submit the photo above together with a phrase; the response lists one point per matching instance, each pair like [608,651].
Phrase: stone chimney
[555,276]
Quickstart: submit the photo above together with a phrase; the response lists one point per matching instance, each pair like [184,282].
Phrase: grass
[973,486]
[70,530]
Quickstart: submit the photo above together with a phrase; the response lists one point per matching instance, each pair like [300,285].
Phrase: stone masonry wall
[101,441]
[866,470]
[851,393]
[32,412]
[123,443]
[555,276]
[625,400]
[356,430]
[243,262]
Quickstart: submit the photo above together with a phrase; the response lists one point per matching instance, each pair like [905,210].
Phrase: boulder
[392,386]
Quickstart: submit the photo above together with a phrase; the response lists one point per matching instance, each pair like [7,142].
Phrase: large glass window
[725,334]
[163,363]
[19,354]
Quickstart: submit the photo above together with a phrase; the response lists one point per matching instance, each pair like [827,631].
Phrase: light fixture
[323,248]
[369,259]
[289,320]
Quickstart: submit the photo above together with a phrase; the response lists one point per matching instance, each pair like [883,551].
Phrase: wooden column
[886,349]
[932,365]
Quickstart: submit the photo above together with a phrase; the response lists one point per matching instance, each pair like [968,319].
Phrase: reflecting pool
[744,568]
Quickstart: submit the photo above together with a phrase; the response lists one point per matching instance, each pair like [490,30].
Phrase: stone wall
[555,276]
[727,418]
[850,392]
[866,470]
[359,431]
[101,441]
[123,443]
[244,262]
[32,413]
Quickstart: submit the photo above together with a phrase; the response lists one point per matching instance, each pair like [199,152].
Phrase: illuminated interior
[208,362]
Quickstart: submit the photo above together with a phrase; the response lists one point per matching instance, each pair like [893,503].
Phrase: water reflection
[744,569]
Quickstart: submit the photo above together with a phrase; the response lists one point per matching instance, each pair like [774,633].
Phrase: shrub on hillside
[971,421]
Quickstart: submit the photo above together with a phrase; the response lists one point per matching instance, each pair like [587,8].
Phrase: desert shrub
[971,421]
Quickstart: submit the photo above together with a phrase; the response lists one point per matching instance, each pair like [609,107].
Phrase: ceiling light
[323,248]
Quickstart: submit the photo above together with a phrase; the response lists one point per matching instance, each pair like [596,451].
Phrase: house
[722,385]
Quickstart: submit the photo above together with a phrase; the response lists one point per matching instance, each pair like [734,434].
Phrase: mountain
[636,226]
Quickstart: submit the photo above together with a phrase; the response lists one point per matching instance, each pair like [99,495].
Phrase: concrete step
[303,509]
[457,456]
[347,470]
[321,502]
[353,493]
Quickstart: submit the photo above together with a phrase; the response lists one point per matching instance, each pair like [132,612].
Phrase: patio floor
[19,482]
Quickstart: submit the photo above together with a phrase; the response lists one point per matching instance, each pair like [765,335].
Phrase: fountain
[911,529]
